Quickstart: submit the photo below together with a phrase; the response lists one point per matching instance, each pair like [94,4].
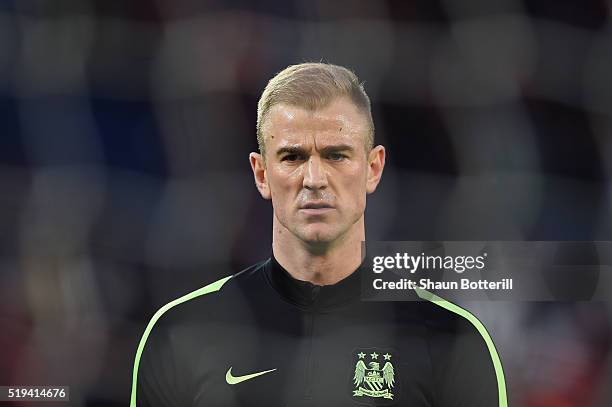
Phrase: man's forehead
[338,122]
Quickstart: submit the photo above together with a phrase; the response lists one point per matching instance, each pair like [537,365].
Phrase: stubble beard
[318,242]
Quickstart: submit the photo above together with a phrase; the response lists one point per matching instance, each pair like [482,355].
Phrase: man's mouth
[316,208]
[316,205]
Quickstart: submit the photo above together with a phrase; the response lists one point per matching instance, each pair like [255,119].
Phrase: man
[292,330]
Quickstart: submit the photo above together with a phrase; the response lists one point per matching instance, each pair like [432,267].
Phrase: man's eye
[336,156]
[291,157]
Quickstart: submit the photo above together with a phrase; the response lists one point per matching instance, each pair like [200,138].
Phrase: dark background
[125,128]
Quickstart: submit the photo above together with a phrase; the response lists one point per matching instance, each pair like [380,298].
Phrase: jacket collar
[307,295]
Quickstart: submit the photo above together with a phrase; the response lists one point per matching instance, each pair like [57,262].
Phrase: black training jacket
[263,338]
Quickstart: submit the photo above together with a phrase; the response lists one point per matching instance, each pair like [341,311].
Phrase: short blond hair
[313,85]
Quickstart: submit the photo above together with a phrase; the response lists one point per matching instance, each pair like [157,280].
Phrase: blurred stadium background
[124,181]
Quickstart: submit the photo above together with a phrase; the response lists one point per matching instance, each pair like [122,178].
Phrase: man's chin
[319,236]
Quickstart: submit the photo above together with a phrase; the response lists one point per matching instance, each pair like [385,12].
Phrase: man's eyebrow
[338,147]
[290,150]
[327,149]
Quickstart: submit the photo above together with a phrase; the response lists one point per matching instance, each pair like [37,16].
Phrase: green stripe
[499,371]
[216,286]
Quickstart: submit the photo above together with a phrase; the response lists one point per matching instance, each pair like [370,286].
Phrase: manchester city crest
[375,374]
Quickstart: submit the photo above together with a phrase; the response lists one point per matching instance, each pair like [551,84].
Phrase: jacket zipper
[310,333]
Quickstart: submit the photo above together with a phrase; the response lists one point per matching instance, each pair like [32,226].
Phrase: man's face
[317,170]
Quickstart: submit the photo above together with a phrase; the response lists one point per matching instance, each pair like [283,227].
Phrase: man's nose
[314,176]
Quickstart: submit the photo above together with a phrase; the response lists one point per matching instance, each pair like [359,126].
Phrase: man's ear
[376,165]
[258,166]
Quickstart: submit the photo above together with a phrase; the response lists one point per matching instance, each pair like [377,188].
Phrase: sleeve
[464,372]
[155,372]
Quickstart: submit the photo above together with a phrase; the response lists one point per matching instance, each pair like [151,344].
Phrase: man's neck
[320,264]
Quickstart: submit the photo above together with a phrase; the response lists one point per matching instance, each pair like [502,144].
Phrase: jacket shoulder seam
[210,288]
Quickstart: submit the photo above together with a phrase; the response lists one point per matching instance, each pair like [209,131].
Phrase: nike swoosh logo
[231,379]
